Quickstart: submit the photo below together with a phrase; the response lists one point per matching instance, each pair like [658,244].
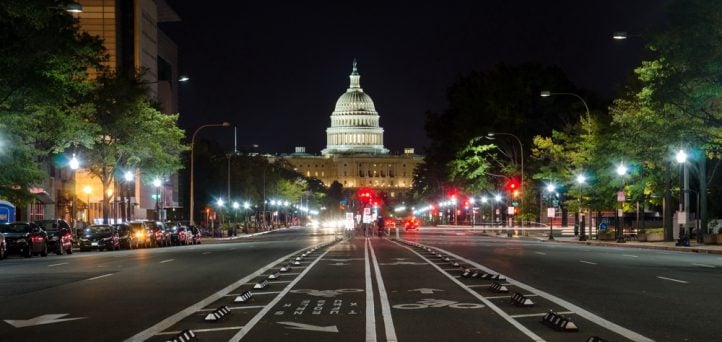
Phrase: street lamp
[681,158]
[581,179]
[128,176]
[521,155]
[497,199]
[193,141]
[619,35]
[235,205]
[74,164]
[621,172]
[550,213]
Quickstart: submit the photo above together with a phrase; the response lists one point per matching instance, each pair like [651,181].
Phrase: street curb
[634,245]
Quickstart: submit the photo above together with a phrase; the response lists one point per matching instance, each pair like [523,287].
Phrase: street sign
[349,222]
[550,213]
[515,203]
[510,210]
[620,196]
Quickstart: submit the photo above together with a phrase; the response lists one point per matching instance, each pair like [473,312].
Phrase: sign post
[551,215]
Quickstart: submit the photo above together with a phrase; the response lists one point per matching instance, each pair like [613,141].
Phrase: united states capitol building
[355,155]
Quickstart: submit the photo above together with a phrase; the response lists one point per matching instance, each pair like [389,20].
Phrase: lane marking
[542,253]
[565,304]
[703,265]
[384,298]
[370,316]
[588,262]
[206,253]
[675,280]
[62,263]
[170,321]
[481,298]
[254,293]
[199,330]
[101,276]
[236,308]
[167,260]
[499,297]
[630,255]
[247,328]
[541,314]
[280,282]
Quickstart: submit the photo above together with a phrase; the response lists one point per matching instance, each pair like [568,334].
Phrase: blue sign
[7,212]
[602,226]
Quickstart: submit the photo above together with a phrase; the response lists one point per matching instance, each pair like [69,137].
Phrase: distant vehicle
[411,222]
[179,235]
[100,237]
[159,235]
[141,234]
[60,238]
[389,223]
[196,234]
[25,238]
[3,247]
[126,236]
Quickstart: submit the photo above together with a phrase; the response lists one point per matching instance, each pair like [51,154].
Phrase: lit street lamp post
[551,213]
[621,172]
[128,176]
[193,143]
[581,179]
[157,183]
[74,165]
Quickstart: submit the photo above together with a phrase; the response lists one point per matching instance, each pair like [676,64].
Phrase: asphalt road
[315,286]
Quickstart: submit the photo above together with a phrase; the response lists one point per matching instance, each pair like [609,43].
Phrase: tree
[43,62]
[132,133]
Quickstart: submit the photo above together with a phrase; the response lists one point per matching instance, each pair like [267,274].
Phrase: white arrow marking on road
[44,319]
[302,326]
[425,291]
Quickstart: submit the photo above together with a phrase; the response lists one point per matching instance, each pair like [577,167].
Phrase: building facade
[355,155]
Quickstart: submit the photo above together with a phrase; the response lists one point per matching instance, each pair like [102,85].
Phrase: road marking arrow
[426,291]
[44,319]
[302,326]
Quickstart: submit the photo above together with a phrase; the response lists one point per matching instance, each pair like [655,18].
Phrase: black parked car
[126,236]
[159,235]
[99,236]
[25,238]
[179,235]
[195,235]
[60,238]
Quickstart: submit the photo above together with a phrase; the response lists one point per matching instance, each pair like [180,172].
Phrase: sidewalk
[694,247]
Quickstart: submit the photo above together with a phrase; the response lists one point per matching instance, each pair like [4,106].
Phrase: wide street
[315,285]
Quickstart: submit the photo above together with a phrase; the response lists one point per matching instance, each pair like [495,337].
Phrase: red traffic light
[512,184]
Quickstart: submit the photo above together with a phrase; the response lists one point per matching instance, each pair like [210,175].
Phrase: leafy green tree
[132,133]
[43,62]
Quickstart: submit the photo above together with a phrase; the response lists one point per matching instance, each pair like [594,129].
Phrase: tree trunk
[667,206]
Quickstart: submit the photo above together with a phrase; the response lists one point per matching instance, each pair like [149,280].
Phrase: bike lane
[329,303]
[428,304]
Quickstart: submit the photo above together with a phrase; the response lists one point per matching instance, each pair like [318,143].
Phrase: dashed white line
[630,255]
[62,263]
[540,314]
[588,262]
[167,260]
[101,276]
[674,280]
[206,253]
[542,253]
[703,265]
[236,308]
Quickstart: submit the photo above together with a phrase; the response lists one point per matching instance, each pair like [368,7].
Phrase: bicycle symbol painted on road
[437,303]
[326,293]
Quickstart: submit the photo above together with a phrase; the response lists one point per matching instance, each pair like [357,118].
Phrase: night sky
[276,69]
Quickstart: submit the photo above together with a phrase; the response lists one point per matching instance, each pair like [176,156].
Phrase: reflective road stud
[261,284]
[559,322]
[497,287]
[218,314]
[244,297]
[184,336]
[518,299]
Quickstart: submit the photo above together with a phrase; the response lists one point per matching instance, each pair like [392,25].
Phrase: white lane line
[384,298]
[167,260]
[62,263]
[101,276]
[280,282]
[170,321]
[675,280]
[200,330]
[254,293]
[481,298]
[542,253]
[370,316]
[588,262]
[257,318]
[236,308]
[630,255]
[452,269]
[206,253]
[538,314]
[563,303]
[499,297]
[703,265]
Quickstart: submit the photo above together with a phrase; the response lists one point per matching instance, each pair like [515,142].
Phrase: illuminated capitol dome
[354,123]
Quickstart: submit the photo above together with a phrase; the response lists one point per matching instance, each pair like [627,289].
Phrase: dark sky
[276,69]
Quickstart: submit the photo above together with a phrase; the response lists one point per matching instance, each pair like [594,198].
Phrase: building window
[323,174]
[360,173]
[308,173]
[316,174]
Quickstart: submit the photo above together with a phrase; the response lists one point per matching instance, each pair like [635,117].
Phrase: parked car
[142,237]
[125,235]
[60,238]
[25,238]
[180,235]
[196,234]
[411,222]
[160,236]
[100,237]
[3,247]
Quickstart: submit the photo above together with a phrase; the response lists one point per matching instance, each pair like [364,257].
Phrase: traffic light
[512,185]
[366,195]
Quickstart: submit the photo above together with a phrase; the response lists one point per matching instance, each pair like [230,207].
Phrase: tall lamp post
[128,176]
[681,158]
[157,183]
[550,213]
[193,144]
[621,172]
[521,156]
[74,165]
[581,179]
